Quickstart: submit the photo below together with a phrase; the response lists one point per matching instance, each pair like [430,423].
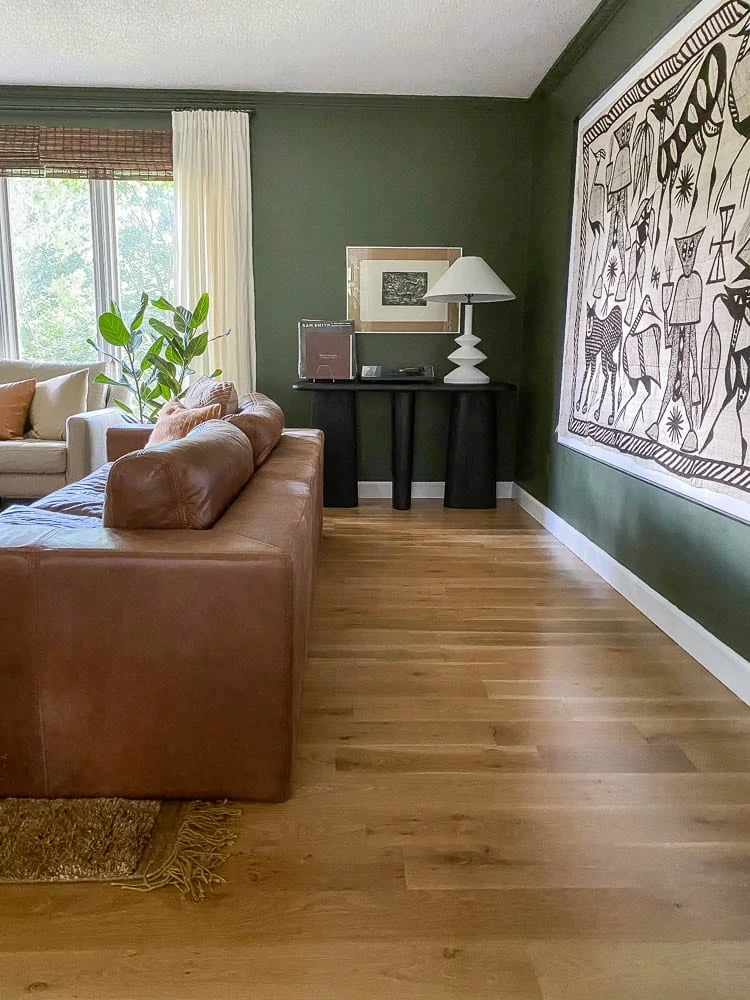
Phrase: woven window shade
[99,154]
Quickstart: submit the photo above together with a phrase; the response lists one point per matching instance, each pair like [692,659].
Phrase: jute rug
[137,844]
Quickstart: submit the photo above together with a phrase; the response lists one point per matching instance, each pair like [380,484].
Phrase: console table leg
[402,446]
[472,451]
[335,414]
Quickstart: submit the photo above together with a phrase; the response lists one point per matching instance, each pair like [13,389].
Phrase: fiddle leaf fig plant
[153,361]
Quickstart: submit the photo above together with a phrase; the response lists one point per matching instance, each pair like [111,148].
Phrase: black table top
[367,386]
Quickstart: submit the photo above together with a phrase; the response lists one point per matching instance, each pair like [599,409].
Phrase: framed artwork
[385,288]
[656,369]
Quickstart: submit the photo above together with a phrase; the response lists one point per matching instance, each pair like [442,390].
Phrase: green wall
[696,558]
[335,171]
[328,174]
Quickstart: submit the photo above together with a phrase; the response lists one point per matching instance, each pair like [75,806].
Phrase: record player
[409,373]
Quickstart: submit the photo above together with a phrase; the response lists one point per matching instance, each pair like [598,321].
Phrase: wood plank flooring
[509,785]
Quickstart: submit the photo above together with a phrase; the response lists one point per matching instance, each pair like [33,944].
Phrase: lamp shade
[469,279]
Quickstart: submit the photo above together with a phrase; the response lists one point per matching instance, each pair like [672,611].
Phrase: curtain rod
[75,100]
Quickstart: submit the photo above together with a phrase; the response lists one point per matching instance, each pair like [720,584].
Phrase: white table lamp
[468,280]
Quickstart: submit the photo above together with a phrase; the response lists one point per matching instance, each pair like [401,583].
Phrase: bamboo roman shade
[99,154]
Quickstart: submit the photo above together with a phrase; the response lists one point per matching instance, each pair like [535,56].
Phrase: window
[144,214]
[55,254]
[86,216]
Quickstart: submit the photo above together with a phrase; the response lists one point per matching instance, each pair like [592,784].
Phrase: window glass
[50,225]
[145,217]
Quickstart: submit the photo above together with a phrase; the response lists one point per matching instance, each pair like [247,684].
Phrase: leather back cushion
[262,421]
[179,484]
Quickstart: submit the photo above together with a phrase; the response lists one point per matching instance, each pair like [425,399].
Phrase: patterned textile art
[656,371]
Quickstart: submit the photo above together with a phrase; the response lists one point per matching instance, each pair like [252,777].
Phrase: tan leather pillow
[262,421]
[207,391]
[175,421]
[15,400]
[56,399]
[187,483]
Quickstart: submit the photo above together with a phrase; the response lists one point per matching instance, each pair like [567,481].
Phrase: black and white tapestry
[656,371]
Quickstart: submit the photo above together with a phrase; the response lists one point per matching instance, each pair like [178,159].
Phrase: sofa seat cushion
[33,457]
[36,517]
[179,484]
[84,498]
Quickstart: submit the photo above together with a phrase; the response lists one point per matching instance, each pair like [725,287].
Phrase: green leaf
[161,303]
[106,380]
[174,353]
[200,313]
[182,319]
[219,336]
[113,330]
[123,406]
[138,318]
[197,346]
[156,346]
[162,328]
[216,373]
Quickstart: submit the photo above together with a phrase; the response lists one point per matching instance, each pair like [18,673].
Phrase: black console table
[471,454]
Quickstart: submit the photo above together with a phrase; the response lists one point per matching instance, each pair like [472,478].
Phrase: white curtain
[213,234]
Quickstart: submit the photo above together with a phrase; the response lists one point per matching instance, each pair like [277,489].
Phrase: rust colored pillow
[15,400]
[207,391]
[262,421]
[175,421]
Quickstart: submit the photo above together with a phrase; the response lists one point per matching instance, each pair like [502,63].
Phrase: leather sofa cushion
[84,498]
[20,516]
[179,484]
[175,421]
[262,421]
[29,457]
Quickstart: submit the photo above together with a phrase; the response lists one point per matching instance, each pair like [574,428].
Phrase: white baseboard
[420,491]
[719,659]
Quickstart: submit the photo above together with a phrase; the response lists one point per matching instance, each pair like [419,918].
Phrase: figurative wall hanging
[656,370]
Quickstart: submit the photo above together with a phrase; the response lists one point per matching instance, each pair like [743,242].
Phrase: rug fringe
[203,842]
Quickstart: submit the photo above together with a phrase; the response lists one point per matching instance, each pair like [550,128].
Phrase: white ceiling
[493,48]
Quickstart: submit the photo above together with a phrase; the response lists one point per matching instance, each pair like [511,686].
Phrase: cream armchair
[30,468]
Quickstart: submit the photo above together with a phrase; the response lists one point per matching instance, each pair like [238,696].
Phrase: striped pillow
[207,391]
[175,421]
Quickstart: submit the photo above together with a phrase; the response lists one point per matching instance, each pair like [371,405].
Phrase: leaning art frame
[385,285]
[656,364]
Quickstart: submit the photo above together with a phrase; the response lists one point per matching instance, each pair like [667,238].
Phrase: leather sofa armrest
[123,439]
[85,436]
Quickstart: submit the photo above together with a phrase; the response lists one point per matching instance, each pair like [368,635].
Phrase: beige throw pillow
[54,401]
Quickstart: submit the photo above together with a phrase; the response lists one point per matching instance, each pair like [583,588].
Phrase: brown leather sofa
[159,663]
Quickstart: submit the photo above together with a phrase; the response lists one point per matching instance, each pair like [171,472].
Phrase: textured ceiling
[496,48]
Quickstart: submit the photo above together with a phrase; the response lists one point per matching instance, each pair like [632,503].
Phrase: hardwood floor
[510,785]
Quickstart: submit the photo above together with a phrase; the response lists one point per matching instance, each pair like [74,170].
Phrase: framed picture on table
[385,288]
